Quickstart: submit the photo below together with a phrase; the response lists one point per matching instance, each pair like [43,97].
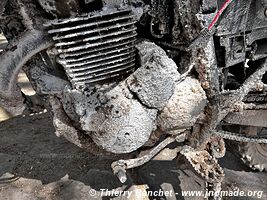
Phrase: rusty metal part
[206,67]
[122,165]
[96,47]
[239,137]
[204,164]
[217,147]
[248,118]
[220,107]
[221,103]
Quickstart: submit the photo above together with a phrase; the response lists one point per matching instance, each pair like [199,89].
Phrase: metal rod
[119,167]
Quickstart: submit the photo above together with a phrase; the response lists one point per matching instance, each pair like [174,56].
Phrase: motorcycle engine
[123,93]
[110,86]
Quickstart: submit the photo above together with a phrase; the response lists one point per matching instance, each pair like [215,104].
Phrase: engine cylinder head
[96,47]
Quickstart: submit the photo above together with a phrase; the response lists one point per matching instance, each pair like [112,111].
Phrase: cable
[207,32]
[219,13]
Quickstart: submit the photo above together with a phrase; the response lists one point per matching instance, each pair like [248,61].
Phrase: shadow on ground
[40,154]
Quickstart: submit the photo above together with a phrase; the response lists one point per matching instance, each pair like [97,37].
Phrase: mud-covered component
[12,61]
[159,25]
[120,118]
[122,125]
[179,112]
[96,47]
[186,26]
[60,8]
[153,91]
[204,164]
[112,117]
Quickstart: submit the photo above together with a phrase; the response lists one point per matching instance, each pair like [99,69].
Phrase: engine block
[96,47]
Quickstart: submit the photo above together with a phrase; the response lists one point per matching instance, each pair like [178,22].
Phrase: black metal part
[160,18]
[242,32]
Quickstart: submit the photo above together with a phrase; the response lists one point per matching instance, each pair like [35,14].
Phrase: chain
[240,138]
[255,98]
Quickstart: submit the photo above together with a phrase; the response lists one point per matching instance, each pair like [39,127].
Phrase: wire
[219,13]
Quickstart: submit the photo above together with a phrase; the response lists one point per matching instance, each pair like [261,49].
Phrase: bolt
[121,176]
